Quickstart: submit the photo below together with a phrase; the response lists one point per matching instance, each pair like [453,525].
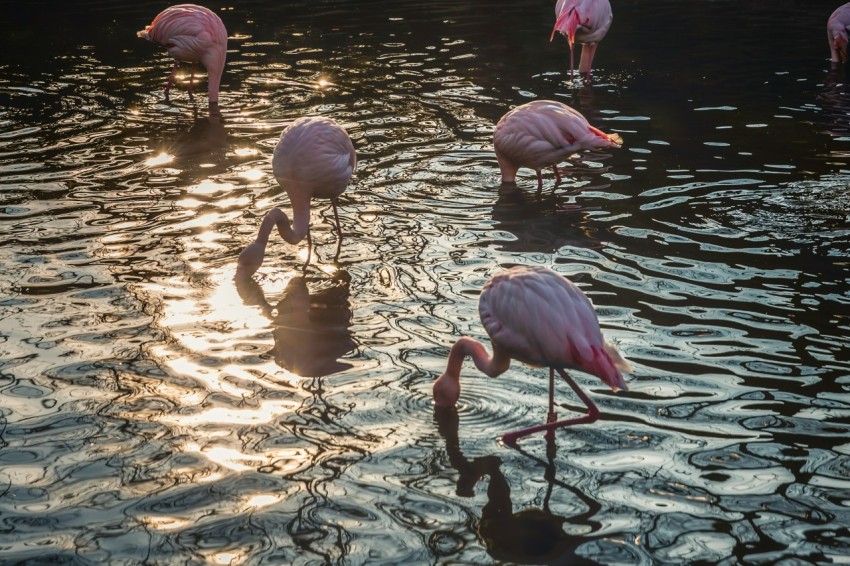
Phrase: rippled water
[155,409]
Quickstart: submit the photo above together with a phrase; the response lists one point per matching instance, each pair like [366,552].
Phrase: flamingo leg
[539,181]
[552,416]
[309,252]
[170,79]
[191,81]
[591,416]
[336,218]
[557,174]
[572,63]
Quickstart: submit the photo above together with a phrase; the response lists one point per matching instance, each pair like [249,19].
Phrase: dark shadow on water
[835,101]
[530,536]
[312,329]
[541,222]
[205,142]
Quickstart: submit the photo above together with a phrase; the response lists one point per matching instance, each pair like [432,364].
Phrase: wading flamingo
[193,34]
[543,133]
[539,317]
[585,22]
[313,159]
[836,33]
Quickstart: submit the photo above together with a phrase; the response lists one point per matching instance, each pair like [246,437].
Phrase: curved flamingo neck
[300,218]
[215,69]
[446,389]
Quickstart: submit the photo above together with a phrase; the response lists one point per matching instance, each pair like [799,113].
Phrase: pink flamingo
[313,159]
[585,22]
[539,317]
[543,133]
[193,34]
[836,32]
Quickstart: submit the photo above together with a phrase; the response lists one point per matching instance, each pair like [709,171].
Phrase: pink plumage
[836,32]
[585,22]
[314,158]
[191,34]
[543,133]
[539,317]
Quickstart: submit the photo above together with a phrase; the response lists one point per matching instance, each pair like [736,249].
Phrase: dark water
[155,411]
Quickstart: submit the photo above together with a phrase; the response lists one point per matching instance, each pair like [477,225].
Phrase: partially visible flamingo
[193,34]
[543,133]
[836,33]
[539,317]
[313,159]
[585,22]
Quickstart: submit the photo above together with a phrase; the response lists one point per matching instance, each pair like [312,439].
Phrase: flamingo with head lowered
[585,22]
[193,34]
[539,317]
[543,133]
[314,158]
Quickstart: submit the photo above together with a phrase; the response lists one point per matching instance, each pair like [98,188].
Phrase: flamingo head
[598,139]
[446,390]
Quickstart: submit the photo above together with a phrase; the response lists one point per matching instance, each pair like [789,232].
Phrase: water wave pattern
[157,408]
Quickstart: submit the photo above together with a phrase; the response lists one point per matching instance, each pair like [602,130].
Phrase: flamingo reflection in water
[529,536]
[539,317]
[193,34]
[314,158]
[542,134]
[312,330]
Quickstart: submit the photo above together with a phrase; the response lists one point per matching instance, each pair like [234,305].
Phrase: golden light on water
[263,500]
[323,82]
[165,522]
[230,558]
[266,413]
[160,159]
[252,174]
[245,151]
[210,187]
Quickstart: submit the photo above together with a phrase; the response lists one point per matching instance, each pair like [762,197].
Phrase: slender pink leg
[191,81]
[170,79]
[557,174]
[591,416]
[336,218]
[552,416]
[539,181]
[309,252]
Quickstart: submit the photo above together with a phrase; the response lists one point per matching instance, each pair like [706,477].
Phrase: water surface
[157,409]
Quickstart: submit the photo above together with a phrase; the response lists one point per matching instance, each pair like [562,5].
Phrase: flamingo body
[543,133]
[314,158]
[535,315]
[191,34]
[585,22]
[836,31]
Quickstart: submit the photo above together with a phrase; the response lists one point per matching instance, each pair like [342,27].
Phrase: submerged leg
[592,415]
